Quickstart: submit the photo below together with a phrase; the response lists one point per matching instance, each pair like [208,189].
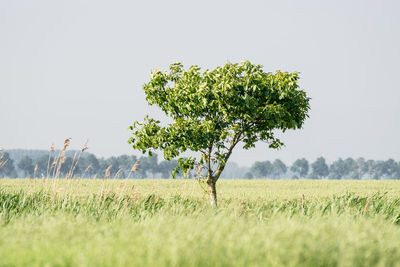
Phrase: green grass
[170,223]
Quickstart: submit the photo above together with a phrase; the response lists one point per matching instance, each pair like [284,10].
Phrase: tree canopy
[212,111]
[300,168]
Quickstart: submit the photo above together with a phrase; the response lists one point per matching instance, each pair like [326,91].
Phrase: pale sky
[76,68]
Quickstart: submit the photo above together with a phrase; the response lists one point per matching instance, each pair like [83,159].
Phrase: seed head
[135,166]
[84,147]
[108,174]
[118,173]
[87,169]
[66,143]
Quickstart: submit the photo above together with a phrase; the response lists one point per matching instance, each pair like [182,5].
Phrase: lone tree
[212,111]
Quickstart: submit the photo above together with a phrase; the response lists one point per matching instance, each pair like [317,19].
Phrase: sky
[76,68]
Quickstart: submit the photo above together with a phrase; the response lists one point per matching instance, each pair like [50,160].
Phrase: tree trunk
[213,191]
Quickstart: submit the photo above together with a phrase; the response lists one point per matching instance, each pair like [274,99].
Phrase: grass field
[171,223]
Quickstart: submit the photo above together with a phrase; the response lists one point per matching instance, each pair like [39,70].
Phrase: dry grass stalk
[35,170]
[198,177]
[106,175]
[57,168]
[108,172]
[134,168]
[62,157]
[366,206]
[66,143]
[75,163]
[48,162]
[2,162]
[87,169]
[84,147]
[199,169]
[118,173]
[72,165]
[53,166]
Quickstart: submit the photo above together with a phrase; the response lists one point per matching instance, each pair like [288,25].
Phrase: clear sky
[76,68]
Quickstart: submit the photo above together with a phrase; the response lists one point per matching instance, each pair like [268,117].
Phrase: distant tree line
[34,163]
[340,169]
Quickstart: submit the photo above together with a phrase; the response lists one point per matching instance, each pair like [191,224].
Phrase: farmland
[86,222]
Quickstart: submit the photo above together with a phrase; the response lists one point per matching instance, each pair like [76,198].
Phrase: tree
[26,164]
[279,168]
[212,111]
[392,170]
[262,168]
[370,164]
[362,167]
[384,169]
[337,170]
[352,169]
[319,168]
[300,168]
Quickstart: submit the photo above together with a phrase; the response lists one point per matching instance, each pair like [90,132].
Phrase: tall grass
[170,223]
[110,205]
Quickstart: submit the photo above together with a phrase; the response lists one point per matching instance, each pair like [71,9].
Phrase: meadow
[89,222]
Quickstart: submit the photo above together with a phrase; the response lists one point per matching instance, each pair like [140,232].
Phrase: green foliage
[214,110]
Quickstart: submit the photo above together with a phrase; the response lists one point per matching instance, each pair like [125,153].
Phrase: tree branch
[234,142]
